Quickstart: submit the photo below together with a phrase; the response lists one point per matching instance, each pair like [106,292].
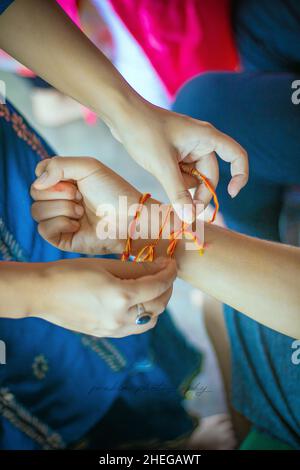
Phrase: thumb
[175,186]
[53,170]
[151,280]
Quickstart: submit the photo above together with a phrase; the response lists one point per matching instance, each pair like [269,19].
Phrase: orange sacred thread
[147,252]
[126,252]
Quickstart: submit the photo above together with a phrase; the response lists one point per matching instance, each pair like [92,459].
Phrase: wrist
[156,224]
[123,110]
[19,287]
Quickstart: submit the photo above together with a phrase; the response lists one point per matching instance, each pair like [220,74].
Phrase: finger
[156,306]
[230,151]
[43,210]
[53,170]
[62,190]
[50,229]
[151,286]
[130,270]
[208,166]
[174,184]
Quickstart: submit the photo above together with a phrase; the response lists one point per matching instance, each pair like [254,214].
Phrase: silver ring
[143,317]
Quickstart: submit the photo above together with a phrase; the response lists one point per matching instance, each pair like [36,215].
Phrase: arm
[16,289]
[259,278]
[91,296]
[42,37]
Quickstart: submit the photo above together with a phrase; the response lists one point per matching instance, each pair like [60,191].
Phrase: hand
[68,194]
[159,140]
[99,297]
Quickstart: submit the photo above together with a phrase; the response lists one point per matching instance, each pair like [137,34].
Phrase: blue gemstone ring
[143,317]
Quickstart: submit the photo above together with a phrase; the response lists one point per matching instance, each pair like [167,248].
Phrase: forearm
[18,284]
[41,36]
[258,278]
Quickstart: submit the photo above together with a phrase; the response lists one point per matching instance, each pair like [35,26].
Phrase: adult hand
[159,140]
[99,297]
[68,194]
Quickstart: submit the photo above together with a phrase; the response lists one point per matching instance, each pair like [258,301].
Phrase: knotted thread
[148,251]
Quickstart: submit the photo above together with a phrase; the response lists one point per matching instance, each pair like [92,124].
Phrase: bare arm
[42,37]
[18,284]
[86,295]
[258,278]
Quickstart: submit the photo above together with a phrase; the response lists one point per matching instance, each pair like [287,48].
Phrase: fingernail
[233,193]
[41,179]
[78,196]
[79,210]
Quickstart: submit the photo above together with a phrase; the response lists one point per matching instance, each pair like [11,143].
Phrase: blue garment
[58,385]
[267,34]
[4,4]
[255,108]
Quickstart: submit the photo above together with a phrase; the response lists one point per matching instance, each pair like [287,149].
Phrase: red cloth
[181,38]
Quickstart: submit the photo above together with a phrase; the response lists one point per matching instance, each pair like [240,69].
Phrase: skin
[256,277]
[43,38]
[96,297]
[34,32]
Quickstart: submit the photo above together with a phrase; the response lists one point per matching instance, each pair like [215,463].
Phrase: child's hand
[68,193]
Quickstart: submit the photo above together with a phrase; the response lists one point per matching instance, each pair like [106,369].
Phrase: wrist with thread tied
[147,253]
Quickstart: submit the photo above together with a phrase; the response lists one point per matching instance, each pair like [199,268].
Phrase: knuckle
[208,125]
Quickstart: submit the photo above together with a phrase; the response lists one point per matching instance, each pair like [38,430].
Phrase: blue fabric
[5,4]
[267,34]
[58,385]
[265,381]
[256,109]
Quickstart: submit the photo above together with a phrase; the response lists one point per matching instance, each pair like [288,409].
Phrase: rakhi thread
[148,251]
[126,253]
